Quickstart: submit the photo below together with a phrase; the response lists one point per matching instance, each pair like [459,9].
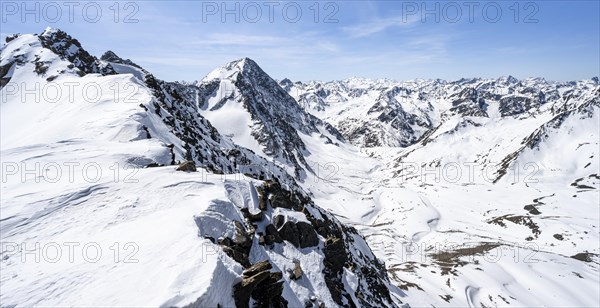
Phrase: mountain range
[239,190]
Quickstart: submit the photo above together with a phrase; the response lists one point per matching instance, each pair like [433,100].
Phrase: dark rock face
[308,236]
[469,103]
[4,69]
[335,254]
[282,201]
[514,105]
[70,49]
[335,258]
[272,193]
[339,254]
[300,234]
[273,234]
[265,287]
[261,285]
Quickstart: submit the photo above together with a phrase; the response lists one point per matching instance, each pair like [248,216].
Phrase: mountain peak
[243,66]
[245,61]
[508,79]
[49,31]
[108,55]
[70,49]
[111,56]
[53,38]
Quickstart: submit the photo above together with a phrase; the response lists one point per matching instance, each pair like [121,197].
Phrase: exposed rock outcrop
[260,284]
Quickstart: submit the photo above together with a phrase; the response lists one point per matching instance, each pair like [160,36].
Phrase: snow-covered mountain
[197,238]
[238,190]
[243,102]
[374,113]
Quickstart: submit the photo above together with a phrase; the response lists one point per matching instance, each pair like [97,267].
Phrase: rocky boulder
[297,271]
[289,232]
[260,284]
[188,166]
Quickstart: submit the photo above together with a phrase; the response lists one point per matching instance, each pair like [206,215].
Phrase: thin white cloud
[236,39]
[213,50]
[283,46]
[379,25]
[517,50]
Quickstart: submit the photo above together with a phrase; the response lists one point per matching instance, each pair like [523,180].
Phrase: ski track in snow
[431,223]
[470,293]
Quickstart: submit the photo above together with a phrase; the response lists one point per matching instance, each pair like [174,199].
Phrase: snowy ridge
[190,238]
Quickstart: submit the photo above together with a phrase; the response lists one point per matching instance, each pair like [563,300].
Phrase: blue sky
[184,40]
